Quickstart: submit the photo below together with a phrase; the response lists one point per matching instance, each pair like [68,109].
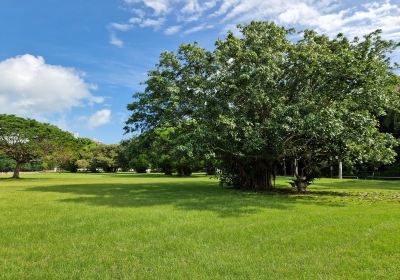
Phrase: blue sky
[77,63]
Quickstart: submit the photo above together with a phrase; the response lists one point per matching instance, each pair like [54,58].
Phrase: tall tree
[169,149]
[261,97]
[106,157]
[25,140]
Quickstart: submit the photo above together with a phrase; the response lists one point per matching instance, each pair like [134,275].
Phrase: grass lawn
[131,226]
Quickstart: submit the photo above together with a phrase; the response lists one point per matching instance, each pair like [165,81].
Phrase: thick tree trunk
[253,174]
[17,170]
[263,180]
[256,176]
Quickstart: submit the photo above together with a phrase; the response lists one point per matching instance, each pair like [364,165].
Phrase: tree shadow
[22,179]
[145,175]
[199,196]
[360,184]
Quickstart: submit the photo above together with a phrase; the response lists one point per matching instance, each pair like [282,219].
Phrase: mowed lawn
[132,226]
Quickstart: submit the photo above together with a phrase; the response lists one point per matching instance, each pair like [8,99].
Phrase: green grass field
[131,226]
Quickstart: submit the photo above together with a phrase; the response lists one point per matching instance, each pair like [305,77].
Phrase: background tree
[26,140]
[170,151]
[167,150]
[123,155]
[105,157]
[64,156]
[135,155]
[6,164]
[85,153]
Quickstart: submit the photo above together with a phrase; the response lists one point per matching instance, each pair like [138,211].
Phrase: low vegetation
[151,226]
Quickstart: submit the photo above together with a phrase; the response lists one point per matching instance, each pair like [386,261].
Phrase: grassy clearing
[127,226]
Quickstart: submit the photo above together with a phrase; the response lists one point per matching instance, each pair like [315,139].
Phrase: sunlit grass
[127,226]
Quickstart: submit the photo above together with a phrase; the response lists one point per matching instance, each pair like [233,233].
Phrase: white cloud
[143,22]
[327,16]
[149,22]
[192,10]
[114,40]
[369,17]
[29,87]
[198,28]
[172,29]
[138,20]
[135,20]
[101,117]
[298,13]
[158,6]
[113,28]
[120,26]
[138,12]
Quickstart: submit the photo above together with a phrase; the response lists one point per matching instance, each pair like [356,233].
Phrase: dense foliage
[162,150]
[261,97]
[27,140]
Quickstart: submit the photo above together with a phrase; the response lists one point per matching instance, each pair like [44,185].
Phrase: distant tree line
[29,145]
[163,150]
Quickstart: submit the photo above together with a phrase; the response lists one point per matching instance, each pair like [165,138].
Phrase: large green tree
[26,140]
[261,97]
[105,157]
[169,150]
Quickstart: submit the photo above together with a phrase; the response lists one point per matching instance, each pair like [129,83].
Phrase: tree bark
[284,167]
[16,171]
[260,178]
[340,176]
[248,173]
[296,167]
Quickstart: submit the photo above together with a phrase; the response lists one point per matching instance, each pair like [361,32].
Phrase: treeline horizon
[256,106]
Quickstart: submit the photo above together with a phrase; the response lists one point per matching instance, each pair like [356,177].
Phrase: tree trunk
[16,171]
[262,177]
[248,174]
[269,186]
[340,176]
[284,167]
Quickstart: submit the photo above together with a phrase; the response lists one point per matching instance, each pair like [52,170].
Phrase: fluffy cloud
[369,17]
[158,6]
[138,20]
[99,118]
[327,16]
[30,87]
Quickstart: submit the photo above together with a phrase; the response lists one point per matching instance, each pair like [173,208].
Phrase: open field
[131,226]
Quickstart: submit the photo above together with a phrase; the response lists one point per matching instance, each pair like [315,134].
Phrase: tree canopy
[27,140]
[263,96]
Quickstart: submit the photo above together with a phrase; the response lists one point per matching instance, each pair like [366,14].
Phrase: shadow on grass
[199,196]
[144,175]
[360,185]
[22,179]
